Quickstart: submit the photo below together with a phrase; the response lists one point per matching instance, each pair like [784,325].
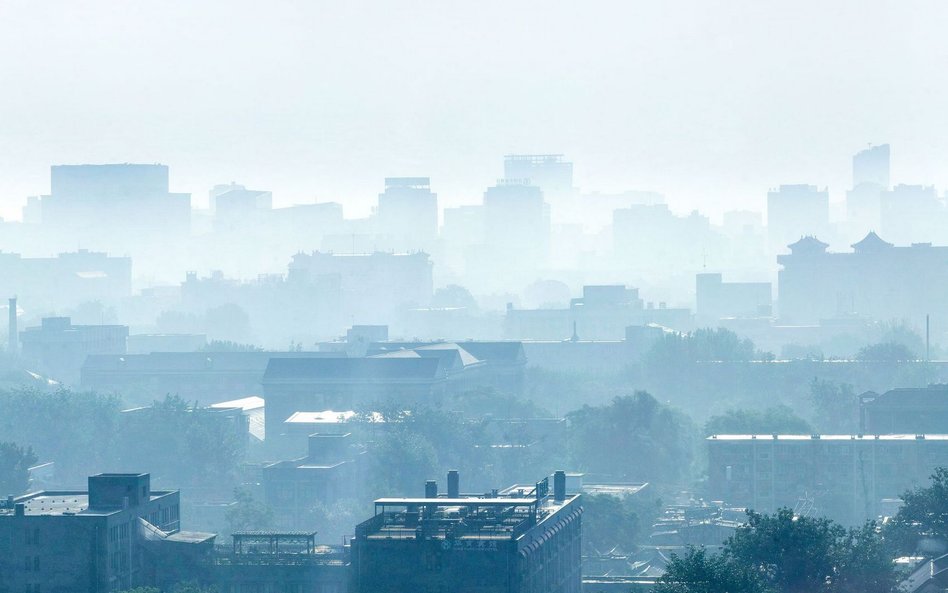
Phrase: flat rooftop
[828,437]
[506,516]
[65,503]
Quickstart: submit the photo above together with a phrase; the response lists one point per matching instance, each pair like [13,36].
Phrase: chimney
[431,489]
[14,340]
[454,484]
[559,485]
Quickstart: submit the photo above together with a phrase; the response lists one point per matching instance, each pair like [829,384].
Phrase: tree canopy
[646,440]
[785,553]
[886,352]
[15,463]
[921,525]
[774,420]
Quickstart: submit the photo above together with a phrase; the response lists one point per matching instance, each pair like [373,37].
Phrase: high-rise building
[517,224]
[111,198]
[794,211]
[525,539]
[872,166]
[408,214]
[912,214]
[549,172]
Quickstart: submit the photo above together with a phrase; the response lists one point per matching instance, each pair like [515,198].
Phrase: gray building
[59,348]
[116,535]
[408,214]
[849,478]
[794,211]
[717,299]
[907,410]
[525,539]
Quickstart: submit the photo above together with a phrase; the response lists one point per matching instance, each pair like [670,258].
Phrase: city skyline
[439,92]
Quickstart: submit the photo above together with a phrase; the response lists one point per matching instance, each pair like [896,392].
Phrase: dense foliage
[614,522]
[646,440]
[784,553]
[15,464]
[921,525]
[886,352]
[775,420]
[85,433]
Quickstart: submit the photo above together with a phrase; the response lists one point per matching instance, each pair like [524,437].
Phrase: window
[36,563]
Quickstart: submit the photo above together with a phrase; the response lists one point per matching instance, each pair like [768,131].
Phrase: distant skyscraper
[794,211]
[872,166]
[870,180]
[549,172]
[408,214]
[912,214]
[517,221]
[123,207]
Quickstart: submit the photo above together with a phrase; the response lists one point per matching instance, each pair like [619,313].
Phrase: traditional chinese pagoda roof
[808,244]
[871,242]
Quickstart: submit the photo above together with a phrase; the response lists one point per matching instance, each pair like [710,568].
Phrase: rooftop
[828,437]
[63,503]
[506,515]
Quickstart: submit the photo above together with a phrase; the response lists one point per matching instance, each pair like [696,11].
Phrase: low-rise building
[60,348]
[524,539]
[919,410]
[850,478]
[116,535]
[330,471]
[276,562]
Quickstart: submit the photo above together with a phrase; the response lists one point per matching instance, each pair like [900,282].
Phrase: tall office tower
[549,172]
[872,166]
[408,214]
[870,180]
[794,211]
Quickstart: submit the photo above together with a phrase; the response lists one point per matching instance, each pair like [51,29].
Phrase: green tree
[247,513]
[886,352]
[228,346]
[401,461]
[702,345]
[784,553]
[836,406]
[775,420]
[453,295]
[795,553]
[645,440]
[923,517]
[72,428]
[15,464]
[613,521]
[699,571]
[180,443]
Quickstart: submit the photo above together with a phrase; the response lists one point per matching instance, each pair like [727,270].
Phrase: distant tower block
[13,341]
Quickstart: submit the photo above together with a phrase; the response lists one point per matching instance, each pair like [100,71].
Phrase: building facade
[877,280]
[524,539]
[849,478]
[117,535]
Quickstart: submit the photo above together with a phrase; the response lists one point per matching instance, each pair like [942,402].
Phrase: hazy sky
[709,102]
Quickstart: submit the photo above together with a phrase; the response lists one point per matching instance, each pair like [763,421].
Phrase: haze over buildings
[661,289]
